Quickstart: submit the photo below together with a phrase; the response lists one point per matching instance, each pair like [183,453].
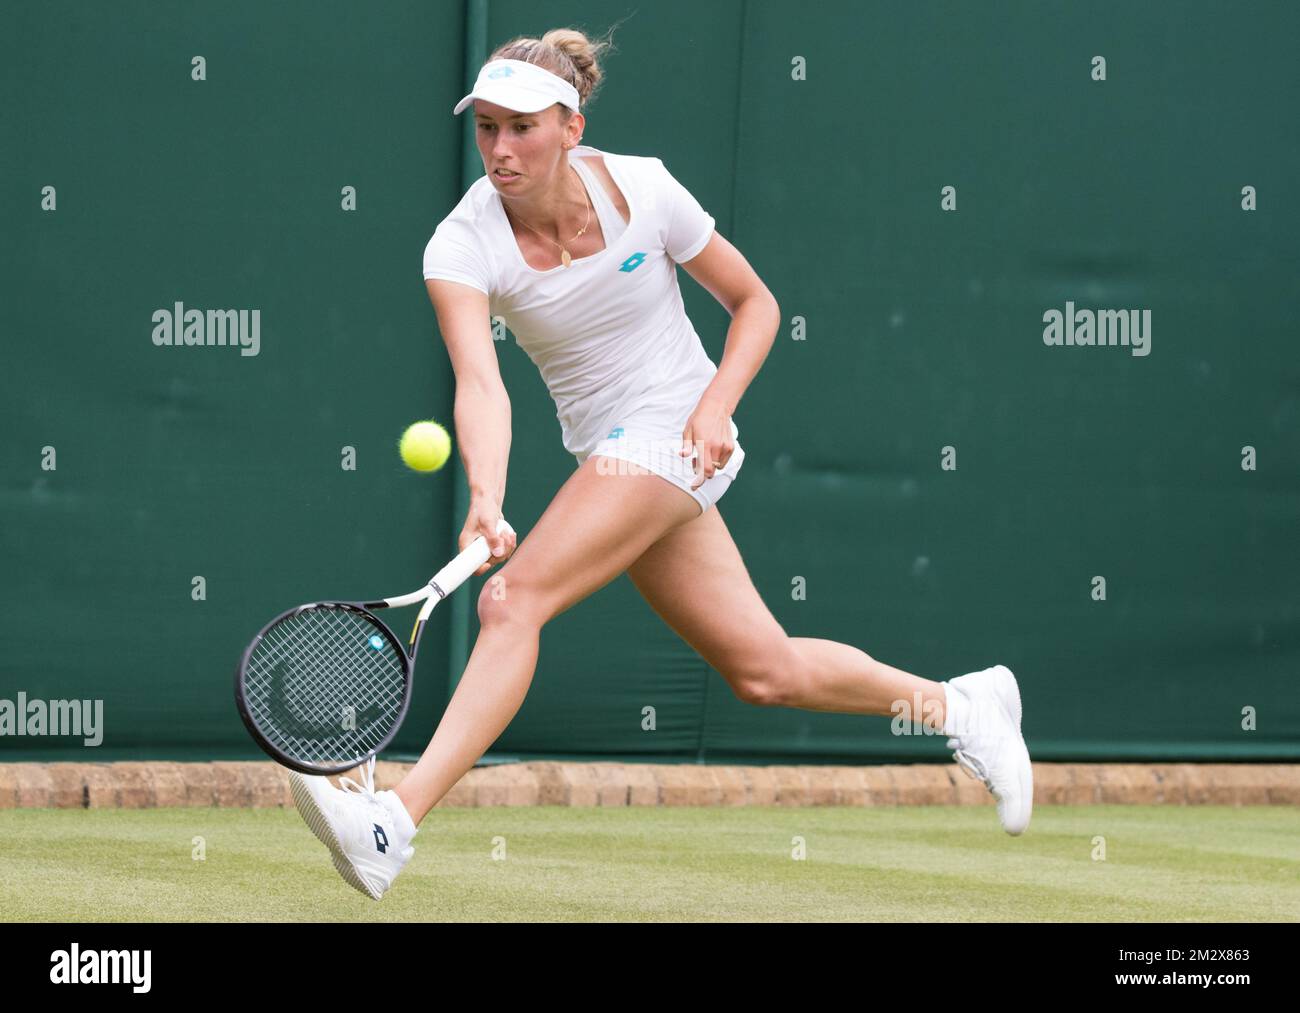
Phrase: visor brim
[508,98]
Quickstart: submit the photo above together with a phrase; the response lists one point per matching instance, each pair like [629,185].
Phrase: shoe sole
[320,826]
[1009,692]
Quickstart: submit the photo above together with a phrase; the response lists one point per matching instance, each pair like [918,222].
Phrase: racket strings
[325,684]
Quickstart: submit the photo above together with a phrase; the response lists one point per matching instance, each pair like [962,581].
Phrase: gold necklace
[565,259]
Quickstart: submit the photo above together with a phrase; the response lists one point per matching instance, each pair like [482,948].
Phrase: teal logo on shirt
[632,262]
[616,434]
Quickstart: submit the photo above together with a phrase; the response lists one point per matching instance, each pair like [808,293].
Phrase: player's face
[526,144]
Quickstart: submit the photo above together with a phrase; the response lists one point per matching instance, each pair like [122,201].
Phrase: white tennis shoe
[368,833]
[984,722]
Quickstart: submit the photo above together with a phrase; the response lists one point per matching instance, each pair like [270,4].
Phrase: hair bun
[565,52]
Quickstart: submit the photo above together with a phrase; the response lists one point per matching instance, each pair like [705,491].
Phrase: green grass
[1195,863]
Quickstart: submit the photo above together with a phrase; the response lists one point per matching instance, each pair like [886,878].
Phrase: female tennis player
[577,250]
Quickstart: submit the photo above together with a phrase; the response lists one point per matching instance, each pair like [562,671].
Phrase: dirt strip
[144,785]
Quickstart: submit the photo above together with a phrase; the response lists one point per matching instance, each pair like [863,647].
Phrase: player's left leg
[694,578]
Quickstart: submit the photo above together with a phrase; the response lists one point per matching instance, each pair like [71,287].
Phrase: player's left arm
[755,317]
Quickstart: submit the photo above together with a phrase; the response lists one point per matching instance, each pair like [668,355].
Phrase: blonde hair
[565,52]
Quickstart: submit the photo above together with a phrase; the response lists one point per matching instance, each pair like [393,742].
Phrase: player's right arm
[482,412]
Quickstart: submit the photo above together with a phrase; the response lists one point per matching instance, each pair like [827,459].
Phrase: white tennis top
[609,333]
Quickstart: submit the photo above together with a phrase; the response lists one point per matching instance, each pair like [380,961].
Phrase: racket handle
[474,555]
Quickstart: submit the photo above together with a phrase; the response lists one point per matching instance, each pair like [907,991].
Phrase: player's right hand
[483,519]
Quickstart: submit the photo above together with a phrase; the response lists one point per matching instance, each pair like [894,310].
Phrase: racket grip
[474,555]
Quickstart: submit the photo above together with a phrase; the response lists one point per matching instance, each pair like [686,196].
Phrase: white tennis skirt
[658,451]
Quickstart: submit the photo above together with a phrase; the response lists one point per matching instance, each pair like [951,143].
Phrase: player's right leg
[600,520]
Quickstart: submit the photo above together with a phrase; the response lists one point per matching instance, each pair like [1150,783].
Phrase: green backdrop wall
[821,138]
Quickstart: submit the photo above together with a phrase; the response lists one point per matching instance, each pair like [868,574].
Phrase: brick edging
[262,784]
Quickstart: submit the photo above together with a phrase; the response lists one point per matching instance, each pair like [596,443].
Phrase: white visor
[523,87]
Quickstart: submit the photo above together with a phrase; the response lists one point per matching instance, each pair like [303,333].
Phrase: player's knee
[767,674]
[763,684]
[503,601]
[753,691]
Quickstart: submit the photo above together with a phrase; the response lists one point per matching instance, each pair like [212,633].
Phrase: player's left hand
[708,436]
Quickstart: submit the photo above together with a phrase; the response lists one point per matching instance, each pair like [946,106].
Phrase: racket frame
[442,584]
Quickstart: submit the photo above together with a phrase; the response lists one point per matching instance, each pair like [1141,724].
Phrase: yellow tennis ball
[425,446]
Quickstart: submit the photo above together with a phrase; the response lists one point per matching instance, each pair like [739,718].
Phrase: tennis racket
[324,686]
